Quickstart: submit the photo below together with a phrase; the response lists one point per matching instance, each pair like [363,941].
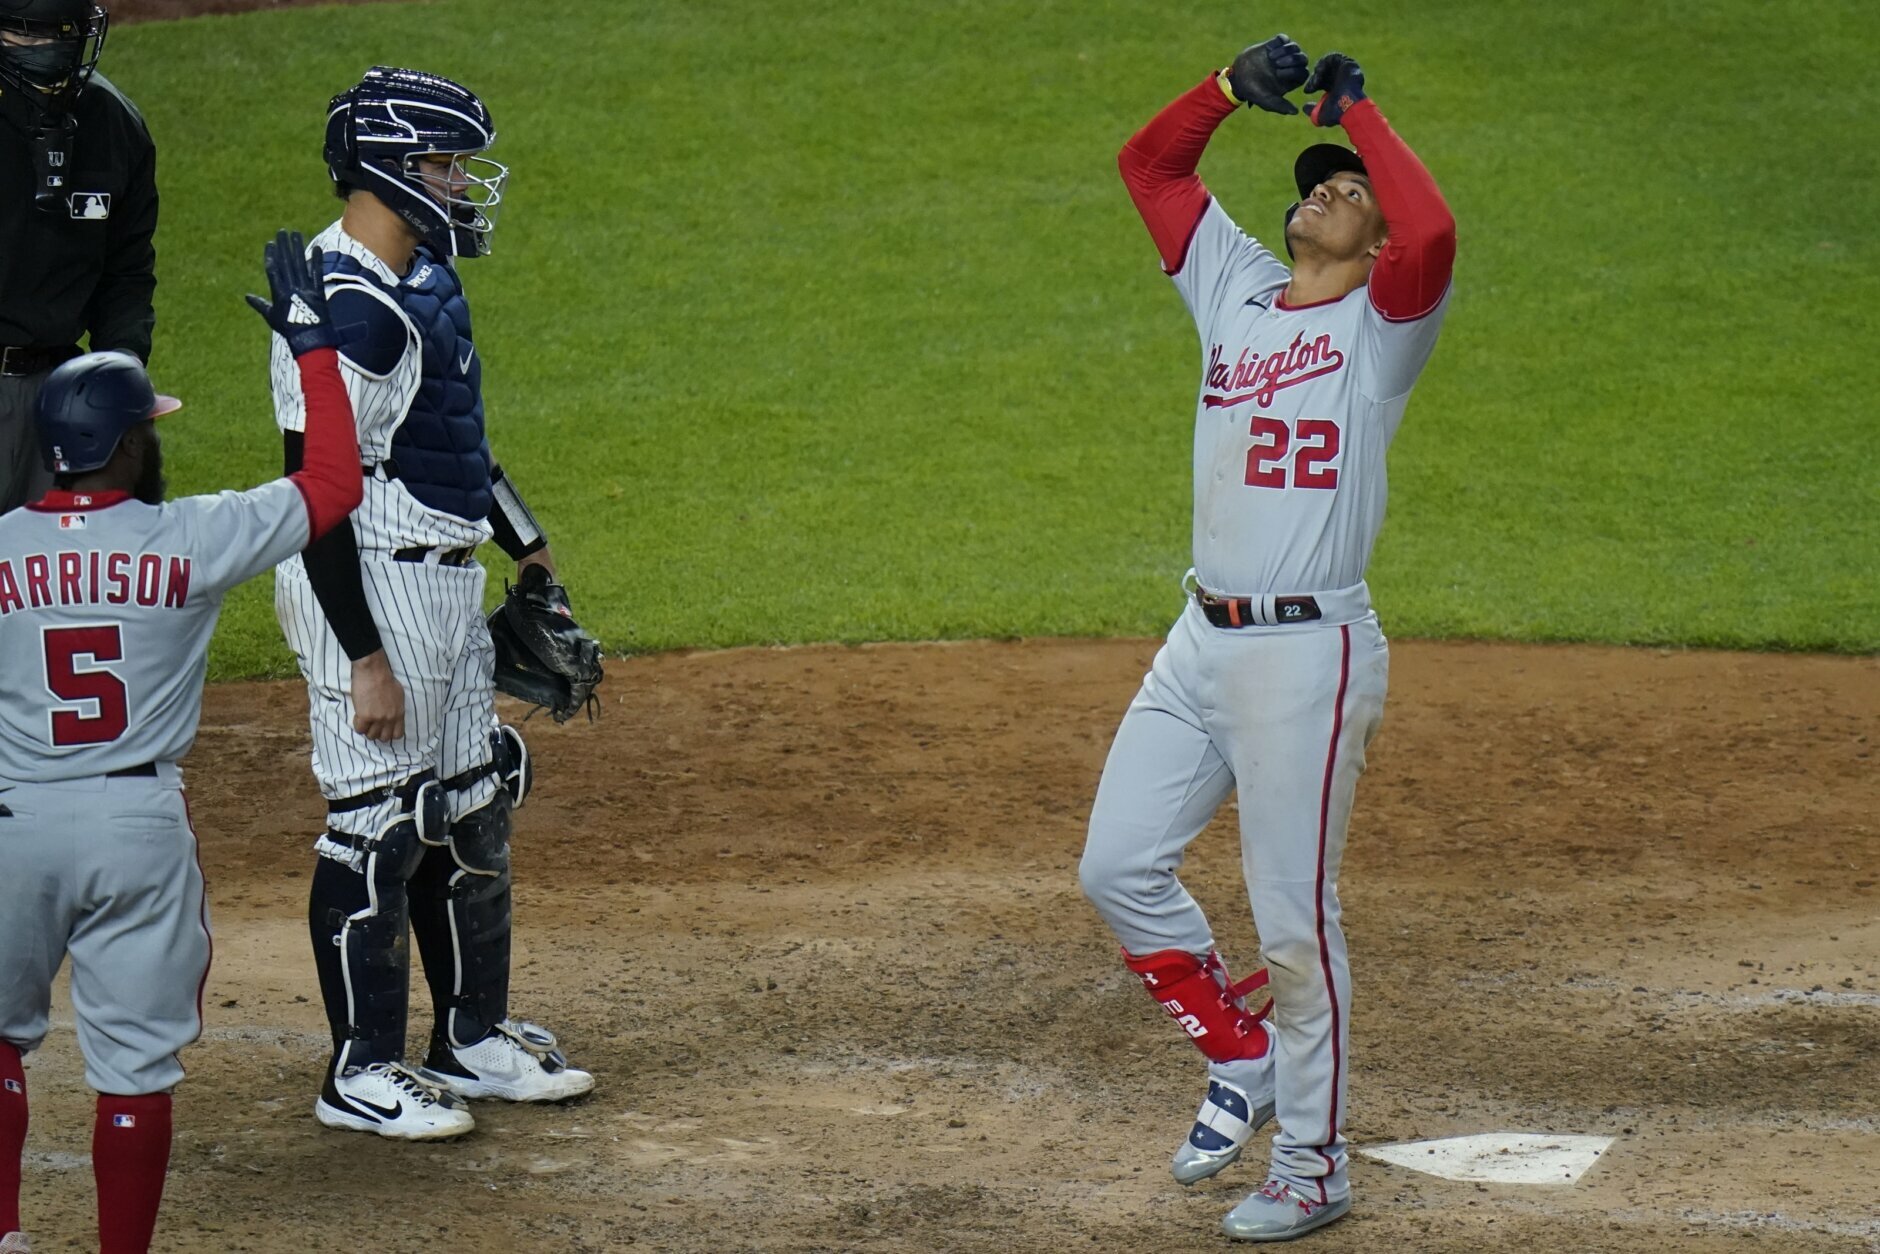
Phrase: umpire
[78,213]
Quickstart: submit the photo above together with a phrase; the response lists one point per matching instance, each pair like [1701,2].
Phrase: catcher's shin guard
[460,912]
[1209,1006]
[357,915]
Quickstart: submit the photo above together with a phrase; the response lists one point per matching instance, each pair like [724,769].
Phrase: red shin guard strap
[130,1152]
[12,1135]
[1198,995]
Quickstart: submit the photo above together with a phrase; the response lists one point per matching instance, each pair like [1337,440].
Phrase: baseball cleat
[1280,1212]
[15,1243]
[516,1062]
[1229,1116]
[393,1101]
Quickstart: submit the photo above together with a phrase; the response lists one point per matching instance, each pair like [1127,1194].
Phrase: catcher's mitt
[542,655]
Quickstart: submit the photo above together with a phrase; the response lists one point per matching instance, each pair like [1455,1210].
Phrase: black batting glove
[1342,81]
[298,312]
[1262,75]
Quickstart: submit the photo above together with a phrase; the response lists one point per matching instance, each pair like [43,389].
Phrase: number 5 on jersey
[1304,448]
[97,687]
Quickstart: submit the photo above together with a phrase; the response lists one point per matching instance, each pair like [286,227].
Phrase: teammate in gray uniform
[386,619]
[108,597]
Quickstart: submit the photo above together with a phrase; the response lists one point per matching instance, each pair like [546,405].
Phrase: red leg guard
[12,1135]
[130,1153]
[1198,994]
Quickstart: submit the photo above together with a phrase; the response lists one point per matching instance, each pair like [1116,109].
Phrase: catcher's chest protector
[438,448]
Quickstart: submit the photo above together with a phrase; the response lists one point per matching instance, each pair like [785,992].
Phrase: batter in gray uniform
[108,597]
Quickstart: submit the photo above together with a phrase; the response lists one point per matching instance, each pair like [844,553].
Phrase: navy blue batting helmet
[87,404]
[378,131]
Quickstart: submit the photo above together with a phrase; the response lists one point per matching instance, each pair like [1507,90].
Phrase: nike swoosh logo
[384,1112]
[464,365]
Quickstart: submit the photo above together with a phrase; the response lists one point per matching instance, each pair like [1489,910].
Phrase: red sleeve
[329,478]
[1158,165]
[1413,271]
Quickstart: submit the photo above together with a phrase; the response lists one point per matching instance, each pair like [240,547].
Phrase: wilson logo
[1259,379]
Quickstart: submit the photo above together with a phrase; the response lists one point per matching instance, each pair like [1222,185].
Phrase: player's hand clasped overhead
[1263,73]
[1342,81]
[298,311]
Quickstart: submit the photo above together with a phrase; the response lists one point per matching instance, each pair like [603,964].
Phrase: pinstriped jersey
[106,609]
[1296,409]
[390,517]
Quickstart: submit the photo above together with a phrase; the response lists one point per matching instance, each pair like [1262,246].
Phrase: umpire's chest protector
[439,450]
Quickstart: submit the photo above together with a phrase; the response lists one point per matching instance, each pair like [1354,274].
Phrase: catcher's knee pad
[476,901]
[358,917]
[1209,1006]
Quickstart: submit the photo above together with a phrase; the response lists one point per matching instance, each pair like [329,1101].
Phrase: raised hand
[1342,81]
[1263,73]
[298,312]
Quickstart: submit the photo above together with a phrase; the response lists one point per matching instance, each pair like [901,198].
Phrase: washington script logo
[1257,379]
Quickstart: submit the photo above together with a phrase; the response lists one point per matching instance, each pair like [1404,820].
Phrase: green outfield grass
[832,321]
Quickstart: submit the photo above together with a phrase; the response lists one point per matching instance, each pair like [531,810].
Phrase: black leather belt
[1245,611]
[444,557]
[32,359]
[147,770]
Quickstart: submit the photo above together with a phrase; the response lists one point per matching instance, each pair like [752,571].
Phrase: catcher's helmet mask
[379,130]
[1314,166]
[87,404]
[47,77]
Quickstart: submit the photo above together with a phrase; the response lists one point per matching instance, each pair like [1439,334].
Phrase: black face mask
[52,68]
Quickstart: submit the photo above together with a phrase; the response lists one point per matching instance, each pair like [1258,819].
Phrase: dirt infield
[812,917]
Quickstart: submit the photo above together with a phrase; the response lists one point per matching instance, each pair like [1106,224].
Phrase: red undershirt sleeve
[1159,162]
[1413,271]
[329,480]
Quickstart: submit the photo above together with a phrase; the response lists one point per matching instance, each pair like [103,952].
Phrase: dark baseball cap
[1320,162]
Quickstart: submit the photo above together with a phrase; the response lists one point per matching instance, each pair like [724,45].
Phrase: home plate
[1498,1157]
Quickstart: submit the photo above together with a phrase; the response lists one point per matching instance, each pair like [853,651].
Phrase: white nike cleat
[15,1243]
[391,1100]
[1239,1103]
[516,1062]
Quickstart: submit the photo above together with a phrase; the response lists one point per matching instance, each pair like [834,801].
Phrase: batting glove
[1263,73]
[1342,81]
[298,312]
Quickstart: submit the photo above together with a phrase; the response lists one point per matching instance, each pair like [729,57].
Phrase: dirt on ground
[812,917]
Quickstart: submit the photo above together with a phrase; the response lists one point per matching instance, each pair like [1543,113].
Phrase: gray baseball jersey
[106,608]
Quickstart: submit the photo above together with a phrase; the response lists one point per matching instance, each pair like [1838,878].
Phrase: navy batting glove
[1342,81]
[298,312]
[1262,75]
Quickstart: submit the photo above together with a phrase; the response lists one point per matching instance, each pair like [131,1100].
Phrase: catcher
[385,617]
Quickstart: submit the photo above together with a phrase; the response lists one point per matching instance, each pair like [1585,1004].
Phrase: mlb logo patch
[13,1086]
[90,206]
[123,1121]
[71,522]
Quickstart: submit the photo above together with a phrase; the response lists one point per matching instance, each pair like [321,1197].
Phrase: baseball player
[1272,680]
[108,596]
[385,617]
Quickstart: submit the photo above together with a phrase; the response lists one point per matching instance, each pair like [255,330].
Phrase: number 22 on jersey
[94,686]
[1295,454]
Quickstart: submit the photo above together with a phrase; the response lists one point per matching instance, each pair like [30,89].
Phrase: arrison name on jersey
[91,577]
